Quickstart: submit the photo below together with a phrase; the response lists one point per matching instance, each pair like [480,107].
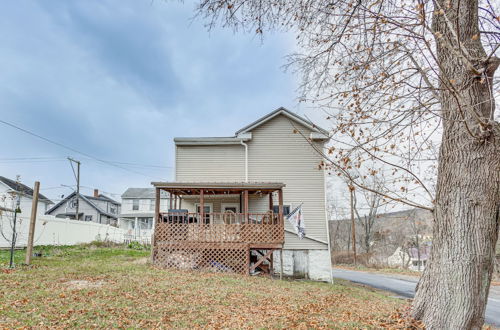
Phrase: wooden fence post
[31,233]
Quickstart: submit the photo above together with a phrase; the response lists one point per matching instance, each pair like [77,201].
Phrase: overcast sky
[117,80]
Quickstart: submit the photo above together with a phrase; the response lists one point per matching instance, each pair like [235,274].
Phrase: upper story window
[72,203]
[112,209]
[151,204]
[135,205]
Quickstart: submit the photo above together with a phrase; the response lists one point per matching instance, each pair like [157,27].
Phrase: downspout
[246,159]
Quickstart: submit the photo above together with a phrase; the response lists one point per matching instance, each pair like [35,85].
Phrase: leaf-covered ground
[88,286]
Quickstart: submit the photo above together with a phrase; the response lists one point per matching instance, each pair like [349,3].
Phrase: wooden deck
[221,242]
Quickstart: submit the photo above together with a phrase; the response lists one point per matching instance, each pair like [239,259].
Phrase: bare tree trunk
[453,290]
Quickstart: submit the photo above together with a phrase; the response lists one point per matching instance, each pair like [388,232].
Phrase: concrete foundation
[309,264]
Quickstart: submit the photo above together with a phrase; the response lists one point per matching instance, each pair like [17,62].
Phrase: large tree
[400,79]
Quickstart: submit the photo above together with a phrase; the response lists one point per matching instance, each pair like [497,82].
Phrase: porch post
[271,201]
[202,207]
[156,218]
[170,200]
[245,197]
[280,201]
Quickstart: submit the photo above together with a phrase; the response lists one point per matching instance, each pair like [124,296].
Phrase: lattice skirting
[213,257]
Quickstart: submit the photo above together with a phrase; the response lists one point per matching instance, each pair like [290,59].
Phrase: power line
[57,159]
[33,158]
[71,148]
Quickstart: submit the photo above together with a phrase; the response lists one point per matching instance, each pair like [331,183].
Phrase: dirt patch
[83,284]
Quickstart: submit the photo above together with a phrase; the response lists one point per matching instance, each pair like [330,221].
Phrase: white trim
[277,112]
[204,204]
[318,136]
[211,205]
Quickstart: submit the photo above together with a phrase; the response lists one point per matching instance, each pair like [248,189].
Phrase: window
[286,209]
[145,223]
[72,203]
[88,218]
[151,204]
[112,209]
[207,210]
[135,204]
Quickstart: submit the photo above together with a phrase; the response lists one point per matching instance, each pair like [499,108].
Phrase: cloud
[119,79]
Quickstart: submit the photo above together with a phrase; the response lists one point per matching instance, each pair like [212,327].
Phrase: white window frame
[211,205]
[138,204]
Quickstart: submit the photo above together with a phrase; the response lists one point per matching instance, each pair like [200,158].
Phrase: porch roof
[192,188]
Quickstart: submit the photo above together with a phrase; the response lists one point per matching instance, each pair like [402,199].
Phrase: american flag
[296,219]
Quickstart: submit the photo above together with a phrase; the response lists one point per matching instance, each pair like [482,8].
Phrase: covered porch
[233,227]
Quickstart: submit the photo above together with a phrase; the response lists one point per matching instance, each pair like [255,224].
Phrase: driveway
[405,286]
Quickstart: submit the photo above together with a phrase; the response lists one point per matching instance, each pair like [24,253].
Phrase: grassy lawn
[363,268]
[90,286]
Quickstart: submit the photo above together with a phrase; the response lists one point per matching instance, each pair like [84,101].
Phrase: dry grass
[112,287]
[385,270]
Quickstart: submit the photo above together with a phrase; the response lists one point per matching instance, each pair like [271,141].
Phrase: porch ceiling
[215,188]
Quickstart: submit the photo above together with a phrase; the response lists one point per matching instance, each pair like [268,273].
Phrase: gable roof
[103,198]
[244,134]
[88,200]
[285,112]
[23,189]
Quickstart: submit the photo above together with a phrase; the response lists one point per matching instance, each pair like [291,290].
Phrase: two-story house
[10,190]
[96,208]
[137,211]
[233,194]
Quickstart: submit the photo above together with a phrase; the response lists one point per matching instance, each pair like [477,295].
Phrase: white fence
[50,230]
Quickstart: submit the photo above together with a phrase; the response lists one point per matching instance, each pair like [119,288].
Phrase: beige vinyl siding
[213,163]
[277,154]
[189,202]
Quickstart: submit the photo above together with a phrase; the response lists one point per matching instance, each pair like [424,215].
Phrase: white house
[10,190]
[137,211]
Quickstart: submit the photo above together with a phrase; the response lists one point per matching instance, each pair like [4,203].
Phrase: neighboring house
[410,258]
[97,208]
[10,189]
[138,205]
[279,151]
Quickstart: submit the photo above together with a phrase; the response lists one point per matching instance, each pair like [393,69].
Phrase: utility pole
[77,177]
[31,233]
[353,225]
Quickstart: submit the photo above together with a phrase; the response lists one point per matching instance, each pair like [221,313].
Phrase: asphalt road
[405,287]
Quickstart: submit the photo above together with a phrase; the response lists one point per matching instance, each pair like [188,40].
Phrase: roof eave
[211,140]
[219,185]
[286,112]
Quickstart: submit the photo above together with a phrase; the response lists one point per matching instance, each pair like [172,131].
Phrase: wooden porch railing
[225,227]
